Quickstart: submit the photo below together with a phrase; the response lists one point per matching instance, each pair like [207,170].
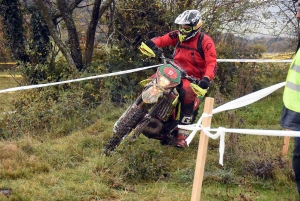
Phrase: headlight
[163,81]
[167,76]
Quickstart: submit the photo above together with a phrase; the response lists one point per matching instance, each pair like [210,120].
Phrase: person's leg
[296,162]
[187,99]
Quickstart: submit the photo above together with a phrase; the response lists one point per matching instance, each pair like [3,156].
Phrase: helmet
[191,18]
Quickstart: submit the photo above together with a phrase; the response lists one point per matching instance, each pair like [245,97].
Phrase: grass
[72,167]
[7,81]
[286,55]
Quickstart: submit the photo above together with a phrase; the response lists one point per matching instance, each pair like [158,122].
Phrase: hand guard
[158,52]
[204,83]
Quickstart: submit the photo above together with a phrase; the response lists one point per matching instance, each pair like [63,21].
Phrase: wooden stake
[286,143]
[202,152]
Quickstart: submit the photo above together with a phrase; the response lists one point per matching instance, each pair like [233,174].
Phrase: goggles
[185,30]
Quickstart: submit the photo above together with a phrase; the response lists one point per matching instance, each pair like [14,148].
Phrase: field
[72,167]
[287,55]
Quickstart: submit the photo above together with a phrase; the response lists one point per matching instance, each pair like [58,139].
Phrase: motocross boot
[182,134]
[169,133]
[180,140]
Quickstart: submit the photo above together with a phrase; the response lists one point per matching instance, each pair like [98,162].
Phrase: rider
[185,41]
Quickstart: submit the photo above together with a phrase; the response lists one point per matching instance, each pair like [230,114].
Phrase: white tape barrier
[237,103]
[240,102]
[130,71]
[248,99]
[76,80]
[220,132]
[256,60]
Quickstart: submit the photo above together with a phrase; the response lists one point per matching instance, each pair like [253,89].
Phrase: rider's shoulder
[173,34]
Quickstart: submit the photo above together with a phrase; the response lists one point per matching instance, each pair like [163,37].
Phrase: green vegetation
[51,145]
[65,162]
[7,81]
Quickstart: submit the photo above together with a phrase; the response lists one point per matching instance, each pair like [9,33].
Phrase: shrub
[144,164]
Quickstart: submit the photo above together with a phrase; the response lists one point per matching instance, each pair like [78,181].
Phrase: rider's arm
[169,39]
[210,57]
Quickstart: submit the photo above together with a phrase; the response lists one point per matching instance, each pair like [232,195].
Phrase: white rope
[76,80]
[126,72]
[220,132]
[198,125]
[256,60]
[248,99]
[237,103]
[240,102]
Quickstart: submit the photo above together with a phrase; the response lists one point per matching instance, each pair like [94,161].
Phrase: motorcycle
[157,107]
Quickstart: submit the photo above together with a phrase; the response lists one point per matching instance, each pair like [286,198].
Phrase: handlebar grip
[193,79]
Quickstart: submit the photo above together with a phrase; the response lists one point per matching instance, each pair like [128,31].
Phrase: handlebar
[183,72]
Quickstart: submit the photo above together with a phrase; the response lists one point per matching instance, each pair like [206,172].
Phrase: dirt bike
[157,108]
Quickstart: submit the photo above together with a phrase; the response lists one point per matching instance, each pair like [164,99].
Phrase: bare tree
[52,11]
[90,35]
[73,39]
[54,33]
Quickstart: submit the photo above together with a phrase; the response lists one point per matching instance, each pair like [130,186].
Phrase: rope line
[234,104]
[220,132]
[130,71]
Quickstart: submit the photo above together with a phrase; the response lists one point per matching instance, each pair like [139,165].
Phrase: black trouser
[187,98]
[296,162]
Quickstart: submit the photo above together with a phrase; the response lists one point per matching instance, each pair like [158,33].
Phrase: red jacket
[190,59]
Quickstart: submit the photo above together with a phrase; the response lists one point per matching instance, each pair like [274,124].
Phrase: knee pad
[186,119]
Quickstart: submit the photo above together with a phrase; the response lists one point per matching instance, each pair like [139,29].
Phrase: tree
[65,11]
[40,42]
[12,28]
[124,29]
[134,22]
[284,21]
[49,17]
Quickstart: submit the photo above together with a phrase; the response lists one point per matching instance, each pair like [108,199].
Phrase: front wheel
[114,142]
[123,127]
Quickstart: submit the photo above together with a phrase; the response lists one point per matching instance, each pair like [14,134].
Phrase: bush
[145,164]
[51,112]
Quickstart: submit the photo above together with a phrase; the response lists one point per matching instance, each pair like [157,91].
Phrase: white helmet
[191,18]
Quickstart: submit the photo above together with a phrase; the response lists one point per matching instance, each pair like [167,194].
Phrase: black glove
[204,83]
[158,52]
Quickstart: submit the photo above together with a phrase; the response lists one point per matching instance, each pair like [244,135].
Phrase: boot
[180,140]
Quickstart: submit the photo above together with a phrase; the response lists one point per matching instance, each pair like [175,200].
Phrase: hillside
[44,166]
[280,44]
